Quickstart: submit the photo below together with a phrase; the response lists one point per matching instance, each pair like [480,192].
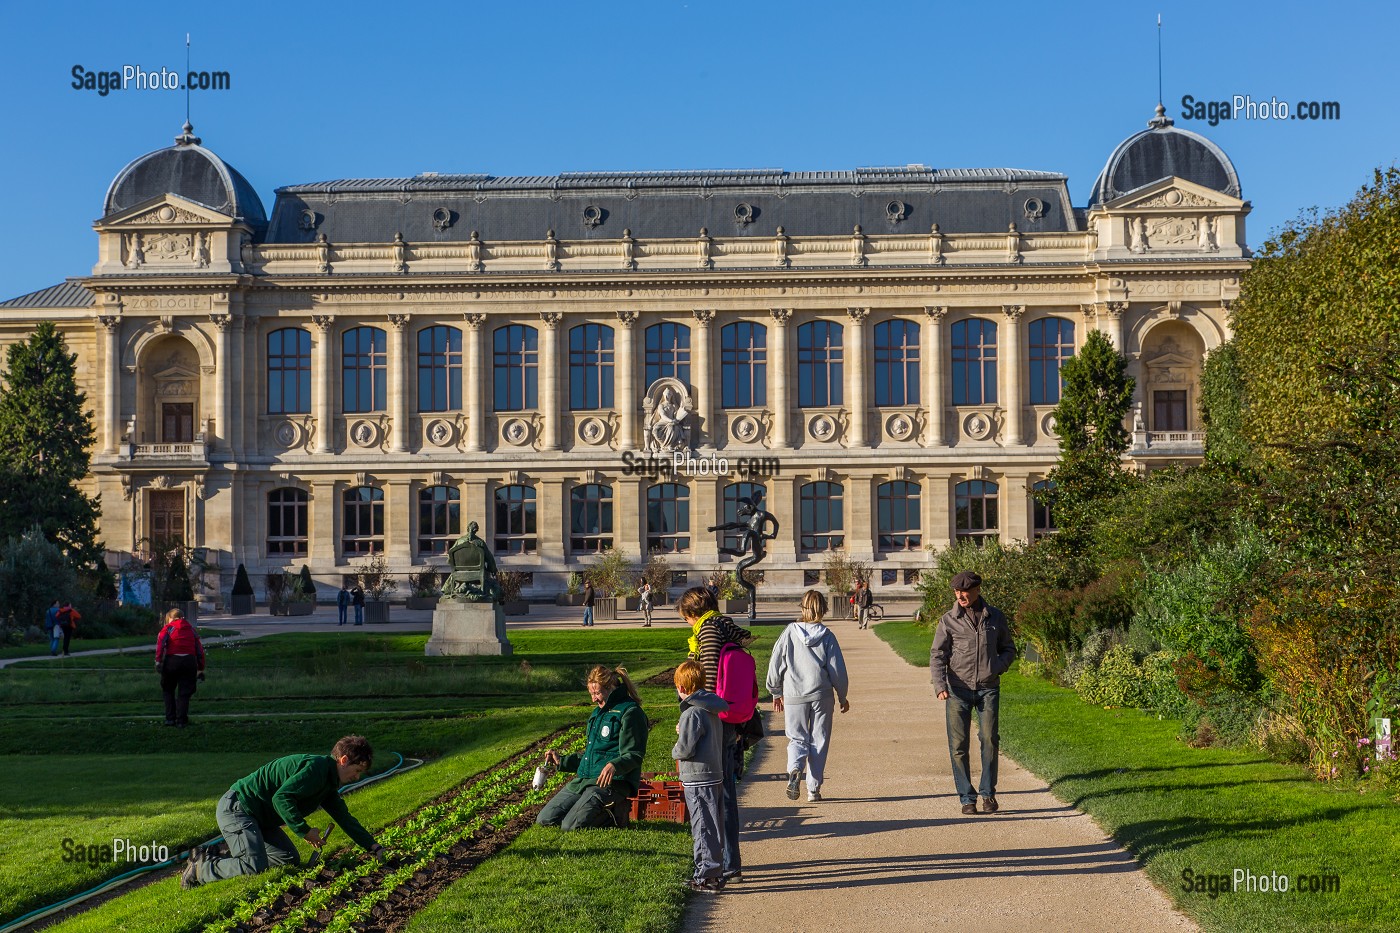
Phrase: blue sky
[333,90]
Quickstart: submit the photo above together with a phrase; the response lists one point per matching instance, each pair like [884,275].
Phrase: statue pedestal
[467,628]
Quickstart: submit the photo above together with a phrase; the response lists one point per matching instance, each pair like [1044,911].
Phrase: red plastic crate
[659,800]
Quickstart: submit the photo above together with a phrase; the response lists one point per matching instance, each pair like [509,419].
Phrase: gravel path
[887,849]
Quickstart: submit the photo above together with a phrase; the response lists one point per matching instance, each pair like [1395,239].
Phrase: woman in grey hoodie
[806,668]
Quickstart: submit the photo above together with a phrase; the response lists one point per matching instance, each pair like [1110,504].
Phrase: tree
[45,436]
[1223,400]
[33,573]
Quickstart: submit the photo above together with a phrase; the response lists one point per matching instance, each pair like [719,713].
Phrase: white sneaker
[814,795]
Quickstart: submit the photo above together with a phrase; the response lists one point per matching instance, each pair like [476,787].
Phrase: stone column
[629,507]
[399,509]
[778,368]
[111,382]
[1016,506]
[702,378]
[860,517]
[549,363]
[782,502]
[856,378]
[938,511]
[1012,377]
[1111,322]
[221,383]
[323,388]
[626,392]
[475,508]
[705,494]
[398,382]
[473,375]
[935,376]
[325,511]
[551,520]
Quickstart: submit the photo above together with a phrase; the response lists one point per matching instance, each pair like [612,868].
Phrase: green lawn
[1210,811]
[41,649]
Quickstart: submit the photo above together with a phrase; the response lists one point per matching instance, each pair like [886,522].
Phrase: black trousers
[177,682]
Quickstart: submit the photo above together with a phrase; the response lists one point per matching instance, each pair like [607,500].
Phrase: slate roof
[672,204]
[192,172]
[62,295]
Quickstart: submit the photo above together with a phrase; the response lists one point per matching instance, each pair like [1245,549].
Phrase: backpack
[736,682]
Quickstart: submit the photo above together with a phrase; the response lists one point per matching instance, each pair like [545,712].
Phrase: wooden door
[177,422]
[167,517]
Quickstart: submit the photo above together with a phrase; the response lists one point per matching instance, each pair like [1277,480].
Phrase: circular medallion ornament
[900,427]
[1047,424]
[286,434]
[441,433]
[822,427]
[166,213]
[516,432]
[978,426]
[364,433]
[592,431]
[745,429]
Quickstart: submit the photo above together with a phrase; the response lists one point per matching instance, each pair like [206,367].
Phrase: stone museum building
[596,360]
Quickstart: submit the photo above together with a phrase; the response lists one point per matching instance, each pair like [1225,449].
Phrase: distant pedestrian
[699,755]
[645,594]
[804,671]
[53,629]
[180,663]
[68,619]
[342,602]
[971,649]
[357,599]
[587,604]
[861,600]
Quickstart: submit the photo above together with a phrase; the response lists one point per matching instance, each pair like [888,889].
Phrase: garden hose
[113,883]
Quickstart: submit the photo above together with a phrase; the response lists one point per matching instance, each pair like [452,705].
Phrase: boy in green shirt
[283,792]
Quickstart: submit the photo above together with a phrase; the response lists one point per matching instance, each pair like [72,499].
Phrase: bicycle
[874,614]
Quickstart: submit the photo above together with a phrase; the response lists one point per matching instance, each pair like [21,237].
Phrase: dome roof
[189,170]
[1161,151]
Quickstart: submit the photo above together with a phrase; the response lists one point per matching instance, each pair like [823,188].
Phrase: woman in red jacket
[180,662]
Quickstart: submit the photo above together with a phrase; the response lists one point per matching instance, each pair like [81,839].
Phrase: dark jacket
[587,594]
[699,748]
[617,734]
[290,789]
[357,596]
[863,599]
[971,649]
[342,599]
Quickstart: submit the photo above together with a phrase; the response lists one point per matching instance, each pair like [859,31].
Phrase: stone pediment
[1174,195]
[166,211]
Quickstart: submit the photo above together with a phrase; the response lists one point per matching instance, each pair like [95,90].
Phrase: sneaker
[970,809]
[794,779]
[989,805]
[736,876]
[814,795]
[705,887]
[189,878]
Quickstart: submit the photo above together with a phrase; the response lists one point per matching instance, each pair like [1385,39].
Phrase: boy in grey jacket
[804,670]
[699,754]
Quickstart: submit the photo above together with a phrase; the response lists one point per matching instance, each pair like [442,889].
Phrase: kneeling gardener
[283,792]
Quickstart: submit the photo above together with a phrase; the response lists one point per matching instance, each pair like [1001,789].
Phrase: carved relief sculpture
[668,407]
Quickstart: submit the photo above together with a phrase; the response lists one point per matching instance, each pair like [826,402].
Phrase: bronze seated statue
[473,577]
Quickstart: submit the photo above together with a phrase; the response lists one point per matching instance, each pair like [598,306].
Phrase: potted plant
[276,587]
[427,588]
[657,572]
[733,600]
[242,600]
[841,573]
[628,598]
[373,577]
[573,591]
[608,576]
[302,590]
[511,582]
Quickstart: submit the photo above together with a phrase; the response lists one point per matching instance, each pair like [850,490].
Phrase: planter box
[376,613]
[569,599]
[421,602]
[604,607]
[734,607]
[631,603]
[299,609]
[242,605]
[516,607]
[659,800]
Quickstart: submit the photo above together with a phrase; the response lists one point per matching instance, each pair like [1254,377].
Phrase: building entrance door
[177,422]
[167,517]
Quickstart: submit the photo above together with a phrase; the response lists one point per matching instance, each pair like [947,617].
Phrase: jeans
[587,615]
[54,642]
[252,848]
[957,711]
[733,864]
[359,615]
[343,610]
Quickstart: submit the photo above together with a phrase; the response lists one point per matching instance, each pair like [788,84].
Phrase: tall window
[440,369]
[668,352]
[1169,410]
[439,518]
[364,367]
[668,518]
[1042,509]
[1052,342]
[516,367]
[974,362]
[743,356]
[362,521]
[897,516]
[896,363]
[288,371]
[590,367]
[286,522]
[976,505]
[515,520]
[590,518]
[754,492]
[819,373]
[823,523]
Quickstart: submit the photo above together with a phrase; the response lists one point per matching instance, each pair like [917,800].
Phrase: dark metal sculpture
[752,525]
[473,577]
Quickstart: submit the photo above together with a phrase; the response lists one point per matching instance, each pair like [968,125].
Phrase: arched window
[364,369]
[823,524]
[974,362]
[897,516]
[288,372]
[286,522]
[976,506]
[754,492]
[362,521]
[819,371]
[440,369]
[667,352]
[668,518]
[743,355]
[516,367]
[515,520]
[896,363]
[439,518]
[1052,342]
[590,367]
[1042,509]
[590,518]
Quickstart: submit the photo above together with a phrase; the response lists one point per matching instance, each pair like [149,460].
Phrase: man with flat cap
[972,648]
